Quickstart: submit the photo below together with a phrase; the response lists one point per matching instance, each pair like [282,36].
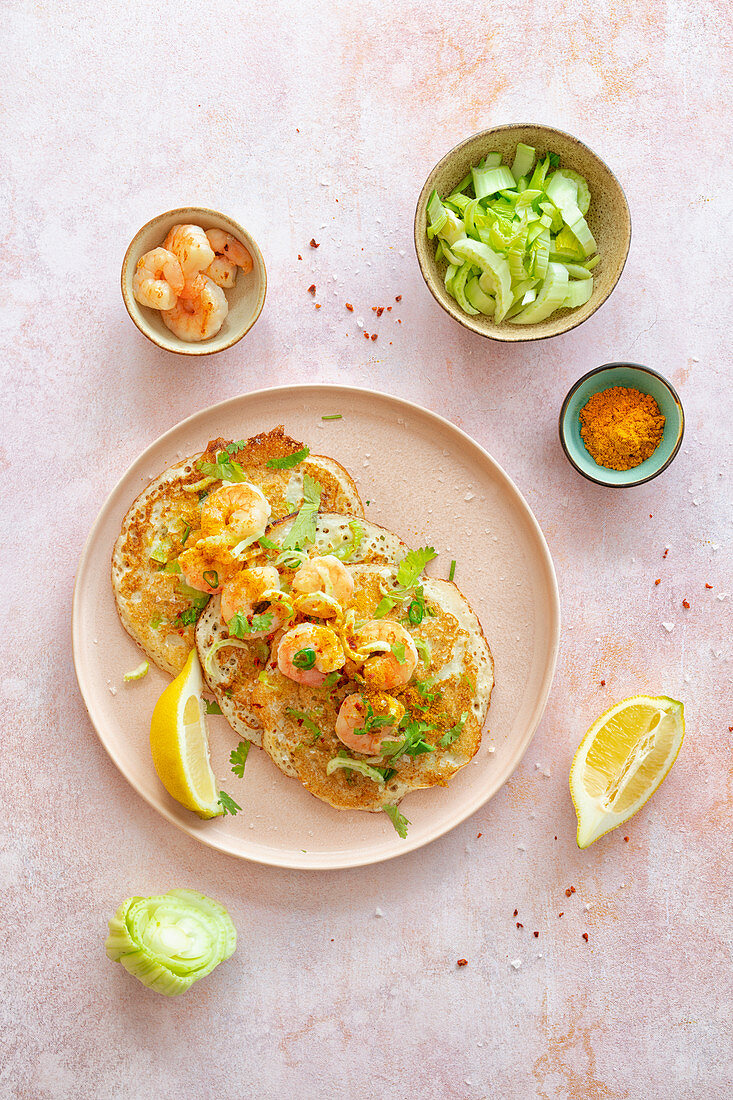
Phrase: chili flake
[585,936]
[318,305]
[314,243]
[658,580]
[626,839]
[664,555]
[312,288]
[349,307]
[536,935]
[561,914]
[686,603]
[366,335]
[519,925]
[515,913]
[568,892]
[374,336]
[478,835]
[380,311]
[398,298]
[462,962]
[603,683]
[708,585]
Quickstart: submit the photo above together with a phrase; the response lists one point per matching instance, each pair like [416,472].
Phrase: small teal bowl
[631,376]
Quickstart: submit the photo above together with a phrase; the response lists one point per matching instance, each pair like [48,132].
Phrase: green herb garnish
[399,820]
[398,650]
[423,649]
[408,573]
[332,416]
[415,612]
[307,721]
[186,533]
[454,732]
[212,708]
[268,544]
[452,572]
[238,758]
[240,626]
[304,527]
[228,805]
[224,469]
[347,549]
[189,617]
[287,462]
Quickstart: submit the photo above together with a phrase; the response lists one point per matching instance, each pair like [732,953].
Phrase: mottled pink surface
[112,113]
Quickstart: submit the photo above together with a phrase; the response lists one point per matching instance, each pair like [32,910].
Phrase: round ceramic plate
[430,483]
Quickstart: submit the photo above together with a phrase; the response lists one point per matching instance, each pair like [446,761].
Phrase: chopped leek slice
[437,213]
[137,673]
[551,297]
[523,161]
[169,941]
[583,193]
[577,271]
[579,292]
[353,765]
[458,290]
[487,181]
[494,267]
[483,303]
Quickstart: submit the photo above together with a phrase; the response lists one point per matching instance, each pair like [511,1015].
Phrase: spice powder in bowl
[621,427]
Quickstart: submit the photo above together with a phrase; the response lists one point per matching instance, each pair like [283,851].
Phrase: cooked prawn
[325,574]
[200,570]
[190,244]
[224,244]
[307,653]
[158,279]
[354,728]
[385,669]
[222,271]
[234,513]
[253,591]
[199,312]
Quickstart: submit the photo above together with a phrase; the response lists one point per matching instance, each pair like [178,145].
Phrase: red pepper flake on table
[585,936]
[314,243]
[708,585]
[462,962]
[626,840]
[686,603]
[398,298]
[603,683]
[658,580]
[515,913]
[312,288]
[519,925]
[374,336]
[664,555]
[349,307]
[536,935]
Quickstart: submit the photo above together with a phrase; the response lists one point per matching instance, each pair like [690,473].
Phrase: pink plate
[431,484]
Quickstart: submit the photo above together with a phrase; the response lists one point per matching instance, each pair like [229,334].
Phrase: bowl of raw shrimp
[193,281]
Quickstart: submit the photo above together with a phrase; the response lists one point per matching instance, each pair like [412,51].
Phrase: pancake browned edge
[148,599]
[231,673]
[459,675]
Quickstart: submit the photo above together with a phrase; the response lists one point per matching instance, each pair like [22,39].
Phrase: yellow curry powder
[621,427]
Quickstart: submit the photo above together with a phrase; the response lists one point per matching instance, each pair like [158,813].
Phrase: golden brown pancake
[451,692]
[149,600]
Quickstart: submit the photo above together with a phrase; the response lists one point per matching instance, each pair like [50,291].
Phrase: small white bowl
[246,298]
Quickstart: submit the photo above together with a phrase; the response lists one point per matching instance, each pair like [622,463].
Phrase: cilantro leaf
[423,649]
[224,469]
[268,544]
[307,721]
[399,820]
[212,708]
[287,462]
[232,448]
[228,805]
[413,564]
[304,527]
[188,617]
[454,732]
[413,743]
[238,758]
[398,650]
[384,606]
[239,626]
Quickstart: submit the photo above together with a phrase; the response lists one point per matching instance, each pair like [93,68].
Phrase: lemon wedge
[622,760]
[180,745]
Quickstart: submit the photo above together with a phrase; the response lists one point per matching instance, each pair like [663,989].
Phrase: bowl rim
[564,412]
[516,336]
[196,348]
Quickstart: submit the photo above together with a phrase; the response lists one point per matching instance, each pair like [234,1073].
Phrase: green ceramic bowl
[631,376]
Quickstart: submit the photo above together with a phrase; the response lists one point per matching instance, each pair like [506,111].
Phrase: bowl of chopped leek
[521,232]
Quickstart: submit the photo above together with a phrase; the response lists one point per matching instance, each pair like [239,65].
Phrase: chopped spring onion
[137,673]
[333,416]
[171,940]
[500,231]
[423,649]
[452,572]
[211,577]
[305,658]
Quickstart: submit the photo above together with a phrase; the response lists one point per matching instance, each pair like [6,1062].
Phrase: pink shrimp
[307,653]
[393,656]
[325,574]
[228,247]
[357,714]
[158,279]
[190,244]
[247,594]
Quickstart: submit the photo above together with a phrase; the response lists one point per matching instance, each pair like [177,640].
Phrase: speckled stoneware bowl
[608,218]
[246,298]
[631,376]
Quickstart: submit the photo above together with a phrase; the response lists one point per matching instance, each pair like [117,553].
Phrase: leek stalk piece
[169,941]
[552,295]
[495,271]
[523,161]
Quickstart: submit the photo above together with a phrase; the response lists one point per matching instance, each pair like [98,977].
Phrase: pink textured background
[112,113]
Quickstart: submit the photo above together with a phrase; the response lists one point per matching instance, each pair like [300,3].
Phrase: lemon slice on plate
[180,745]
[621,761]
